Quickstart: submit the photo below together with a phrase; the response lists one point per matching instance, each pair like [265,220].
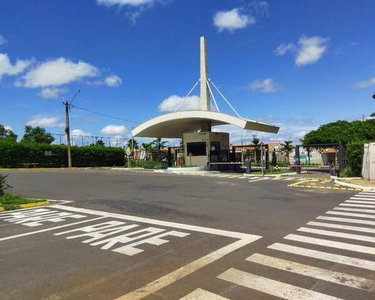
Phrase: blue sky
[296,64]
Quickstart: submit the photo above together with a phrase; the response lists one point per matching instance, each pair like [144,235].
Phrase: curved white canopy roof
[174,125]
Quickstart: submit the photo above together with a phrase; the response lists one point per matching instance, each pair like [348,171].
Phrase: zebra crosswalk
[337,249]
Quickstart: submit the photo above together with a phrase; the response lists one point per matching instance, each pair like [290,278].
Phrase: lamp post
[67,129]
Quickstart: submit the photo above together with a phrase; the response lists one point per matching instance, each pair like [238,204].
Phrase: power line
[105,115]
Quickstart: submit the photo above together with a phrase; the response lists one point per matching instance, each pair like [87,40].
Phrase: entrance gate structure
[337,165]
[194,127]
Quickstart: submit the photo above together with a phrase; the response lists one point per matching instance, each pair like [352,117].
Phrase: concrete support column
[205,96]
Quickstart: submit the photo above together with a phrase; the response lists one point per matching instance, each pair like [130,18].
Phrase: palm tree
[147,147]
[158,144]
[287,147]
[134,144]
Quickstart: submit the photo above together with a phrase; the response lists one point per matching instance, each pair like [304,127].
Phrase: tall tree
[147,147]
[134,143]
[158,144]
[37,135]
[287,147]
[255,141]
[274,158]
[7,133]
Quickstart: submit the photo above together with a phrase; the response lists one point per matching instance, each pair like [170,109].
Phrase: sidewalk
[356,182]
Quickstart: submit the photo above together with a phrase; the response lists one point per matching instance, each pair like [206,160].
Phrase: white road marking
[276,178]
[343,235]
[311,271]
[368,211]
[335,258]
[339,213]
[330,244]
[345,227]
[346,220]
[230,234]
[288,178]
[357,205]
[272,287]
[186,270]
[367,193]
[362,198]
[200,294]
[363,202]
[47,229]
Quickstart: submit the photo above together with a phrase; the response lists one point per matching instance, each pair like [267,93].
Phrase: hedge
[13,155]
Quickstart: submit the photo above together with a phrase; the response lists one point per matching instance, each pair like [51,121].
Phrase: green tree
[287,147]
[372,114]
[158,144]
[274,158]
[352,135]
[147,147]
[99,143]
[6,133]
[37,135]
[135,143]
[255,141]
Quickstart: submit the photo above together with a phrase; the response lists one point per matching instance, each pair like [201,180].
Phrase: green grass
[13,201]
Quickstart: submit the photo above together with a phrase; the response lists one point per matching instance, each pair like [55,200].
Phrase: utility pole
[67,132]
[67,129]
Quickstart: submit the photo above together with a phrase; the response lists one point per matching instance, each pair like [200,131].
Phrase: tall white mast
[205,95]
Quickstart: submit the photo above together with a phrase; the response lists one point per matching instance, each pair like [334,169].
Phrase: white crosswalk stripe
[200,294]
[346,220]
[326,256]
[330,243]
[357,205]
[272,287]
[364,202]
[362,198]
[345,227]
[343,235]
[311,271]
[368,211]
[339,213]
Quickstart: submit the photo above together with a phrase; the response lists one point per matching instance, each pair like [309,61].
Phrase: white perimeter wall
[368,166]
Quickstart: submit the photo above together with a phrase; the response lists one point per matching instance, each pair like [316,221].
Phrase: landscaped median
[12,202]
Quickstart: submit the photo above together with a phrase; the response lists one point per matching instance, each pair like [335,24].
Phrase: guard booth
[202,148]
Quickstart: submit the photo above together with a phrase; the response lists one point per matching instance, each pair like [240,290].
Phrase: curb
[29,205]
[270,175]
[356,186]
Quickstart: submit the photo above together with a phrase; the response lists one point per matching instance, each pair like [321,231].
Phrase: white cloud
[6,68]
[112,80]
[232,20]
[124,2]
[58,72]
[79,132]
[366,83]
[51,93]
[7,127]
[172,102]
[310,50]
[284,48]
[2,40]
[266,86]
[45,122]
[114,130]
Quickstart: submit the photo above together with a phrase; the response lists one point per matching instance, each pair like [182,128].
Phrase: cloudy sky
[296,64]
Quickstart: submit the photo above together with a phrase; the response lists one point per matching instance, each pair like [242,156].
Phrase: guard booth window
[196,149]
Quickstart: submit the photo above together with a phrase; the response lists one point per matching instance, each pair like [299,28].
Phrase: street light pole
[67,129]
[67,132]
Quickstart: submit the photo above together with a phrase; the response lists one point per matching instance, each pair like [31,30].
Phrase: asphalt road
[133,235]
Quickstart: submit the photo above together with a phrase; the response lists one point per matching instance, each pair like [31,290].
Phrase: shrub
[354,155]
[18,154]
[4,185]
